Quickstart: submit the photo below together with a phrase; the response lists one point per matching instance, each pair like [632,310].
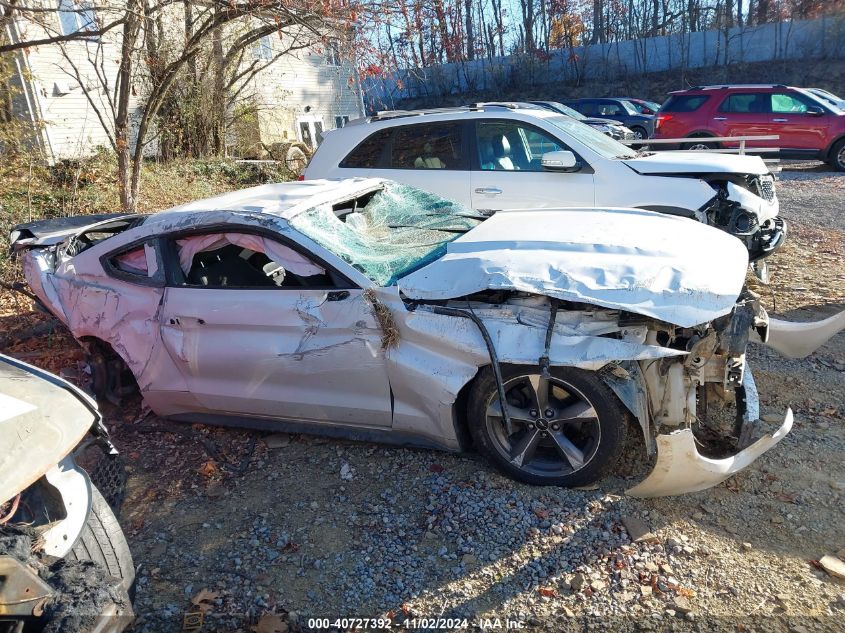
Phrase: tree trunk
[500,26]
[443,28]
[655,11]
[470,30]
[598,22]
[189,32]
[219,97]
[527,7]
[127,184]
[762,11]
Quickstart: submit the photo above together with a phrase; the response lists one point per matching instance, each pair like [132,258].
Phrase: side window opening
[505,146]
[140,261]
[242,260]
[746,103]
[86,239]
[684,103]
[428,146]
[783,103]
[368,153]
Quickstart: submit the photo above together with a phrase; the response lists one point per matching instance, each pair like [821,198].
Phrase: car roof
[475,110]
[725,87]
[283,200]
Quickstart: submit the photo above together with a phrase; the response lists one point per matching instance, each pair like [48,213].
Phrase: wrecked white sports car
[371,310]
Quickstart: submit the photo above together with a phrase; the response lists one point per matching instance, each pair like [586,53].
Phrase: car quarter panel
[95,305]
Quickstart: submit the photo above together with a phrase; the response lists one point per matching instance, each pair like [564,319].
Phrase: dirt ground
[306,527]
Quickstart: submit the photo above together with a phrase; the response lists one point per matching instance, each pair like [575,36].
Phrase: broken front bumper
[681,468]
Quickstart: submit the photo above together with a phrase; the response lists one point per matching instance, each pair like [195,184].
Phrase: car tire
[640,133]
[597,432]
[102,541]
[837,155]
[700,145]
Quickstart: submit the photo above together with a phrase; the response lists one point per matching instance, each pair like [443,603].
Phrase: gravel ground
[306,527]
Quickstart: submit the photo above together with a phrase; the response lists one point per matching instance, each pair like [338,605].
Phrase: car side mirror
[815,110]
[562,160]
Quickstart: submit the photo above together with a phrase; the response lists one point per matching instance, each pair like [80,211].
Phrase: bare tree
[151,58]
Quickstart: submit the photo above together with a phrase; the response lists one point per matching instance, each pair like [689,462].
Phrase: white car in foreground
[494,158]
[371,310]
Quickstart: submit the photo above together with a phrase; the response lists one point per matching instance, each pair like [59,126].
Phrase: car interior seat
[501,149]
[226,267]
[428,160]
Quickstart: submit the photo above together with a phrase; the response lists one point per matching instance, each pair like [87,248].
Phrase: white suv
[498,157]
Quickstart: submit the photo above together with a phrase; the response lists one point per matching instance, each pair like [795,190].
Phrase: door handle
[494,191]
[720,118]
[779,120]
[337,295]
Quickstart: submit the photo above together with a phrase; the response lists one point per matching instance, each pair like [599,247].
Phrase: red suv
[808,127]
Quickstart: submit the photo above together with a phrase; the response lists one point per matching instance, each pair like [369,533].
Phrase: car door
[507,172]
[430,156]
[744,114]
[258,329]
[796,119]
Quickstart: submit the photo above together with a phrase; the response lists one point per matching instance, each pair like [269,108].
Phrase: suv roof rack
[384,115]
[720,86]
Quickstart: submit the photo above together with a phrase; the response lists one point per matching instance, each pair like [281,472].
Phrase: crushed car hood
[687,162]
[672,269]
[42,418]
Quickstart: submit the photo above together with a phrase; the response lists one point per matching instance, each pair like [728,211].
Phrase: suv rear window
[368,153]
[684,103]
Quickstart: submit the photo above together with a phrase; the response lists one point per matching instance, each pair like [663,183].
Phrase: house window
[76,17]
[340,121]
[263,48]
[333,53]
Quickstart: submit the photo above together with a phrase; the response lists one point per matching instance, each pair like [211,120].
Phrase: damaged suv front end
[735,193]
[746,207]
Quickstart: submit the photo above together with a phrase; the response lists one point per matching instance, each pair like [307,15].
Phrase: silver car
[371,310]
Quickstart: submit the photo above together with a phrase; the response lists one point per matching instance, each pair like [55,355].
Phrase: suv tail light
[661,119]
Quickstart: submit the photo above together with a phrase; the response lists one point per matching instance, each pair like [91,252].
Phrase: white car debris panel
[372,310]
[41,416]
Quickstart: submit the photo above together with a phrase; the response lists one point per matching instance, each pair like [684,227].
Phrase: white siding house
[53,99]
[294,98]
[300,95]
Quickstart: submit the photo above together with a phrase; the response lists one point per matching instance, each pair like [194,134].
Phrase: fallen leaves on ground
[270,623]
[208,468]
[204,600]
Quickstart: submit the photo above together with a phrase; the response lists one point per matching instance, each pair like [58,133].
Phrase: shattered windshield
[389,233]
